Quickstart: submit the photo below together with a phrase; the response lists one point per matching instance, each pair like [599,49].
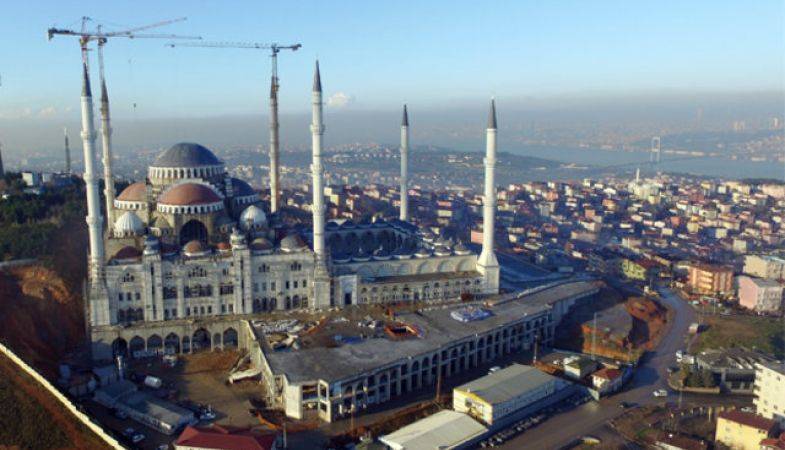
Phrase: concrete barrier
[84,418]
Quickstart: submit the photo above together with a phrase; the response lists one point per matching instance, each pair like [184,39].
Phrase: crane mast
[101,37]
[275,172]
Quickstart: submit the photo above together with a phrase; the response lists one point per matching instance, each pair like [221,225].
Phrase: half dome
[189,194]
[135,192]
[128,224]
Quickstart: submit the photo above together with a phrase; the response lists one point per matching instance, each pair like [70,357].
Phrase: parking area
[520,426]
[196,382]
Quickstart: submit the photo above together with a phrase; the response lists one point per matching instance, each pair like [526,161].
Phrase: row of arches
[266,304]
[368,240]
[416,268]
[190,172]
[426,370]
[172,343]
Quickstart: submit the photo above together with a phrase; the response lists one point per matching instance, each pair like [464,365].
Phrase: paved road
[560,430]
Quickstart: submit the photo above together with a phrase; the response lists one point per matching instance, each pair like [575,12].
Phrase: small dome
[223,247]
[332,225]
[261,245]
[127,253]
[341,257]
[128,224]
[188,194]
[252,217]
[292,242]
[135,192]
[195,248]
[461,249]
[423,253]
[381,254]
[442,250]
[349,224]
[241,189]
[186,154]
[402,252]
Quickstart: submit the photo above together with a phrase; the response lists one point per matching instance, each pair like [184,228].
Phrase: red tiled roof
[222,438]
[748,419]
[607,373]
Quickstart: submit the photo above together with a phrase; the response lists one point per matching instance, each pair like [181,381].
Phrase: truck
[152,382]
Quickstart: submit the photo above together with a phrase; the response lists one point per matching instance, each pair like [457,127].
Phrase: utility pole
[275,171]
[594,338]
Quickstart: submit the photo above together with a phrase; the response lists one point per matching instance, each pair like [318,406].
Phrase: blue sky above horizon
[377,55]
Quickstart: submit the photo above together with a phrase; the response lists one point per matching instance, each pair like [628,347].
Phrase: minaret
[321,284]
[487,264]
[67,152]
[275,174]
[106,141]
[317,171]
[405,166]
[94,219]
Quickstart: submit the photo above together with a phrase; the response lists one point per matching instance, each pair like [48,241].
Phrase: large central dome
[186,154]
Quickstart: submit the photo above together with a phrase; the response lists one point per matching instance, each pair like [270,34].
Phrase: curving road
[562,429]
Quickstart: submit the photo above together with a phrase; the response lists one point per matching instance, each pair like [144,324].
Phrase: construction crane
[274,153]
[85,35]
[101,37]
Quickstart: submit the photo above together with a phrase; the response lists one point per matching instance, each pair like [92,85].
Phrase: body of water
[607,160]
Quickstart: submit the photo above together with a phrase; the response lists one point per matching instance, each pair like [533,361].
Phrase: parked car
[660,393]
[494,369]
[137,438]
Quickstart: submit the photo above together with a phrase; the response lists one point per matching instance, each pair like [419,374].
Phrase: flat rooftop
[438,329]
[445,429]
[506,384]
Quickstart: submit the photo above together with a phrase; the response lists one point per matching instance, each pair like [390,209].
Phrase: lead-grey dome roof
[186,154]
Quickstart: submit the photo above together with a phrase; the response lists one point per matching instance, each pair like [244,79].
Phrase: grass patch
[24,422]
[762,333]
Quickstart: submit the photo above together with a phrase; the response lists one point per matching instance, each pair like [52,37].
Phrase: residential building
[765,266]
[579,368]
[770,391]
[607,380]
[743,431]
[759,294]
[733,368]
[710,280]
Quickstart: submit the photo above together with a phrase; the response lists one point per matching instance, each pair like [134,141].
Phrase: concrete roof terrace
[438,330]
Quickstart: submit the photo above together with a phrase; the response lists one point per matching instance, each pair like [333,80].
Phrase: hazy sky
[376,55]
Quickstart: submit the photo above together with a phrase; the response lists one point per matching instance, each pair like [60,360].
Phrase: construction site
[613,326]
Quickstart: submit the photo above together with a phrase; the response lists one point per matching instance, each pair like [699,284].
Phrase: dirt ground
[201,378]
[643,322]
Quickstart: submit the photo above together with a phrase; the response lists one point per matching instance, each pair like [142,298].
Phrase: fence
[84,418]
